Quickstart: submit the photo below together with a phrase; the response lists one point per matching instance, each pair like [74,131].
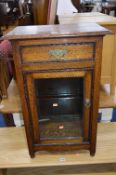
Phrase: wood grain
[4,77]
[54,31]
[12,104]
[14,151]
[46,53]
[40,11]
[95,96]
[87,108]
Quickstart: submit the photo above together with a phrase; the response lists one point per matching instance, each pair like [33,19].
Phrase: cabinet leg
[3,171]
[93,145]
[32,154]
[92,153]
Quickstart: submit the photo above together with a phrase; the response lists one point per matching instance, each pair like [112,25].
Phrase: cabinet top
[54,31]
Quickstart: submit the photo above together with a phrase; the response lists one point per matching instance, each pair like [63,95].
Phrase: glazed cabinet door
[59,105]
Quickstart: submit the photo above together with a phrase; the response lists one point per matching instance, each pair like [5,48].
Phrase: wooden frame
[87,76]
[59,67]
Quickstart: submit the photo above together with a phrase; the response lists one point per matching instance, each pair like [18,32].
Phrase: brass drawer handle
[57,54]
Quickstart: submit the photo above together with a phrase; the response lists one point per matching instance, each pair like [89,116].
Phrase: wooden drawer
[57,52]
[60,106]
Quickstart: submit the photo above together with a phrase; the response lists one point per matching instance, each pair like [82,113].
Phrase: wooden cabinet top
[54,31]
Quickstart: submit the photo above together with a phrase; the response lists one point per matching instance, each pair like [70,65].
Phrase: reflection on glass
[60,107]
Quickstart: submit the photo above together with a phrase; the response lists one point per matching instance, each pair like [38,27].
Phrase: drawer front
[57,52]
[59,106]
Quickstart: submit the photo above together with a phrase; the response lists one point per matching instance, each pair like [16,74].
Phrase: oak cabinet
[58,75]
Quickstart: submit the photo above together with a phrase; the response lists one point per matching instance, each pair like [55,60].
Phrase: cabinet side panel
[95,95]
[21,86]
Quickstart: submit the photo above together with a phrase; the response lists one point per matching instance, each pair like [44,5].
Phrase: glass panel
[60,107]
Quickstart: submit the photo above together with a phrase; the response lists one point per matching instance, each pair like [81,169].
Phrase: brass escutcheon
[57,54]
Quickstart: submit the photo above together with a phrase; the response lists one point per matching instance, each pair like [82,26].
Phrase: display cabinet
[58,75]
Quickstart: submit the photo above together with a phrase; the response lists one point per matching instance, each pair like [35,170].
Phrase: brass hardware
[57,54]
[87,102]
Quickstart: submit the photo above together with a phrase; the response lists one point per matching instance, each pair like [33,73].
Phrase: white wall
[65,7]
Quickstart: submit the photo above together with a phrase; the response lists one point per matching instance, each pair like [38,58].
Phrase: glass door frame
[86,75]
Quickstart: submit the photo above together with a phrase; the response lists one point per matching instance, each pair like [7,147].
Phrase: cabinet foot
[92,153]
